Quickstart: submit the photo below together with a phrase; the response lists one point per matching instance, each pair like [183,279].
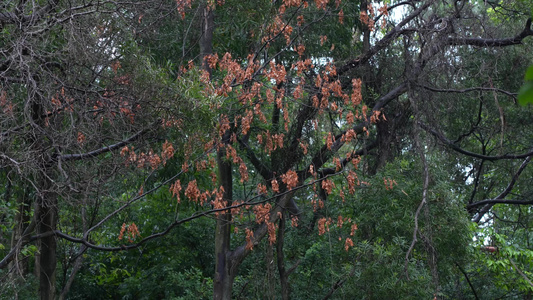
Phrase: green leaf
[529,73]
[525,95]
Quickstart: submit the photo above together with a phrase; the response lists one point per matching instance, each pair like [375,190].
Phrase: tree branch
[468,280]
[323,155]
[473,89]
[265,172]
[94,153]
[384,42]
[454,147]
[489,203]
[481,42]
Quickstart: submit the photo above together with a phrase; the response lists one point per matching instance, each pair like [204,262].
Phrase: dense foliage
[266,149]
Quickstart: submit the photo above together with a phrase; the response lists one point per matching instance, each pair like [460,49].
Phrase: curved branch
[285,197]
[454,147]
[489,203]
[384,42]
[265,172]
[94,153]
[473,89]
[500,201]
[344,161]
[481,42]
[468,281]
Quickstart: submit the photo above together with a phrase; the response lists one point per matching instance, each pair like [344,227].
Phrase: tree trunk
[224,270]
[280,258]
[206,40]
[48,245]
[224,273]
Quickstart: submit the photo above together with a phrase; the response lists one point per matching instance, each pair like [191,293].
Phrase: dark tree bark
[224,271]
[48,245]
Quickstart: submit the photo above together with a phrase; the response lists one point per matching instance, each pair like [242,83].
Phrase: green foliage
[20,288]
[525,95]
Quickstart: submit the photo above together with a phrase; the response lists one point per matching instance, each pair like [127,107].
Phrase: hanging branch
[501,197]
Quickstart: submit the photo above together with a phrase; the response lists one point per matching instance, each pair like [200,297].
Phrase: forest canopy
[180,149]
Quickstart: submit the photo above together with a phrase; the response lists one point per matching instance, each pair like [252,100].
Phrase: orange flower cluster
[249,239]
[168,151]
[259,113]
[290,179]
[356,96]
[353,181]
[348,244]
[323,39]
[175,189]
[389,183]
[304,147]
[219,202]
[243,170]
[171,122]
[182,5]
[276,72]
[131,232]
[301,66]
[246,121]
[328,186]
[278,26]
[300,20]
[367,16]
[354,159]
[272,142]
[312,171]
[81,138]
[57,105]
[321,4]
[275,185]
[236,210]
[261,189]
[323,225]
[349,136]
[353,229]
[374,118]
[262,213]
[150,158]
[271,227]
[330,139]
[384,11]
[192,192]
[294,3]
[337,163]
[294,221]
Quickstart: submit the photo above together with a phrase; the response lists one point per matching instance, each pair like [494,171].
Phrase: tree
[76,91]
[326,115]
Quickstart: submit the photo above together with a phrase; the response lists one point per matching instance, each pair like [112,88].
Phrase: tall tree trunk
[48,245]
[280,259]
[206,40]
[224,273]
[45,209]
[224,270]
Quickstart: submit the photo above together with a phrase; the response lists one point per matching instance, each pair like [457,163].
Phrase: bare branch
[454,147]
[481,42]
[94,153]
[384,42]
[473,89]
[500,198]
